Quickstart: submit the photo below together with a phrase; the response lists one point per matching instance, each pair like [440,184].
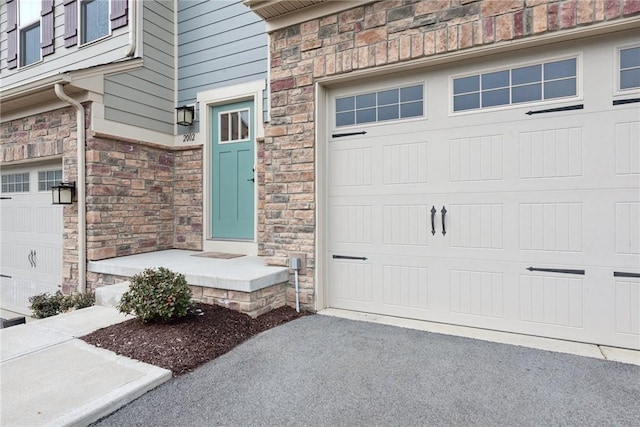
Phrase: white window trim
[22,27]
[553,101]
[617,92]
[80,43]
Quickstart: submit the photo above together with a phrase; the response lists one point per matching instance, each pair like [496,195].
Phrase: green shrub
[46,305]
[157,295]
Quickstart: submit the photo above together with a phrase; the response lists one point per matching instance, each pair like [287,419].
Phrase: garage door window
[630,68]
[15,183]
[47,179]
[532,83]
[391,104]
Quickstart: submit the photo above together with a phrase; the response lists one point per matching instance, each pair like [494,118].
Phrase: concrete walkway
[323,370]
[49,377]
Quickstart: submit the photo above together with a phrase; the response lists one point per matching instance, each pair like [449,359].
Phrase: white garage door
[31,240]
[448,202]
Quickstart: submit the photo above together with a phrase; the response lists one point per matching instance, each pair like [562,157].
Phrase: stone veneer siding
[375,34]
[140,197]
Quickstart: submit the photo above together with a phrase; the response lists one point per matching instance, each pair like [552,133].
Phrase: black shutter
[12,34]
[70,23]
[119,15]
[47,28]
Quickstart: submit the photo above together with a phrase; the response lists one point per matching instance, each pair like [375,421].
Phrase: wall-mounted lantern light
[184,115]
[62,194]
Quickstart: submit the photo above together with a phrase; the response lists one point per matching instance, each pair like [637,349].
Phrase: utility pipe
[80,186]
[133,22]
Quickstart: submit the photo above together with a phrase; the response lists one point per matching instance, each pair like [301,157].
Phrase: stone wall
[140,197]
[129,198]
[188,199]
[375,34]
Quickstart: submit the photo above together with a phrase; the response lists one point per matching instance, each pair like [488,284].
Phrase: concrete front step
[109,296]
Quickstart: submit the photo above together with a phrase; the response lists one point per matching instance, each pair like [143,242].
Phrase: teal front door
[232,171]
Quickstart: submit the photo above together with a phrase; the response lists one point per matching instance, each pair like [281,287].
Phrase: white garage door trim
[324,105]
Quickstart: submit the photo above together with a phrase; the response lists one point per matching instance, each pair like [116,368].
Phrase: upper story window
[94,20]
[30,31]
[629,68]
[549,80]
[391,104]
[29,24]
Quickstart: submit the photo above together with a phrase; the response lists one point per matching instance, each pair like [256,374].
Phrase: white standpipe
[295,266]
[80,186]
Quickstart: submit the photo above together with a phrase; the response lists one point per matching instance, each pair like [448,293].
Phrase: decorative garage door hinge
[361,258]
[340,135]
[555,110]
[556,270]
[626,101]
[625,274]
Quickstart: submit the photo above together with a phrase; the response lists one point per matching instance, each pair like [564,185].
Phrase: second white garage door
[31,235]
[448,203]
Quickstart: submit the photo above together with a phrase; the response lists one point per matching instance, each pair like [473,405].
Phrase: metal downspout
[133,22]
[80,186]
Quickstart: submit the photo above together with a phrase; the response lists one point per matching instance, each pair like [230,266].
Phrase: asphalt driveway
[321,370]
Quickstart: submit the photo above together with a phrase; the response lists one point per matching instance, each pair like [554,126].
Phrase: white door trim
[211,98]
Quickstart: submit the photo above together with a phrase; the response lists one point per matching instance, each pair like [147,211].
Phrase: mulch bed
[183,345]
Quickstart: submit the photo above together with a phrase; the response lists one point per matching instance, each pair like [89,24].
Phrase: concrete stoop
[109,296]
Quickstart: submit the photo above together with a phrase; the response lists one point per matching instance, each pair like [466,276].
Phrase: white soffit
[280,14]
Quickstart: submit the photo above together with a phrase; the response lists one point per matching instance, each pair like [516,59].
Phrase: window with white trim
[15,182]
[538,82]
[629,68]
[94,20]
[234,126]
[29,31]
[49,178]
[384,105]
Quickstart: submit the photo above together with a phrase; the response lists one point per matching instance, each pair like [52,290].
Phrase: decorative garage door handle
[32,258]
[433,220]
[443,212]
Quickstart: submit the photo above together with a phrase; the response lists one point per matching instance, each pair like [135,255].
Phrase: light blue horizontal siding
[220,43]
[145,98]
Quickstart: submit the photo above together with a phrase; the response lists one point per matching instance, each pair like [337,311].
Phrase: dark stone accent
[293,31]
[459,12]
[528,21]
[424,22]
[328,31]
[398,26]
[290,52]
[400,13]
